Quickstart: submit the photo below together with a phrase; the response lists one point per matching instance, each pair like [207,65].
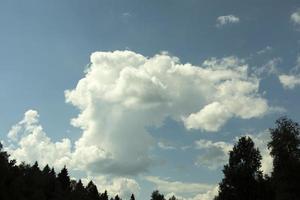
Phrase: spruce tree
[132,197]
[64,179]
[92,191]
[104,196]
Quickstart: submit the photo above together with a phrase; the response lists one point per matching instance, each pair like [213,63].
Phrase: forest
[242,175]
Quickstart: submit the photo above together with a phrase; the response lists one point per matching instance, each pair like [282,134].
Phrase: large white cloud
[123,93]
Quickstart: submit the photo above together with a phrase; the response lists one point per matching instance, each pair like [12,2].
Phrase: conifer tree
[64,179]
[92,191]
[117,197]
[104,196]
[132,197]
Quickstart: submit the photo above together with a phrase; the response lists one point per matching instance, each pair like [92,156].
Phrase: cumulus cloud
[123,93]
[227,19]
[30,143]
[215,154]
[210,118]
[182,190]
[295,17]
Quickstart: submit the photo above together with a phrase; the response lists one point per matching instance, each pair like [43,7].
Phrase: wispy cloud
[264,50]
[165,145]
[269,68]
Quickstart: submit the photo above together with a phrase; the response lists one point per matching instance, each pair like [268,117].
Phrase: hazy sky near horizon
[142,95]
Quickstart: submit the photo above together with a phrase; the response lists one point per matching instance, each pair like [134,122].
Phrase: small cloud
[186,147]
[295,17]
[292,79]
[289,81]
[211,118]
[126,14]
[227,19]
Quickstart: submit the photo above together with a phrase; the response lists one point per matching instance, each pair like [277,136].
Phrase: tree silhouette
[64,179]
[285,150]
[92,191]
[242,176]
[117,197]
[172,198]
[104,196]
[157,196]
[132,197]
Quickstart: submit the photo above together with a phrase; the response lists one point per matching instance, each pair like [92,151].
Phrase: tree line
[243,178]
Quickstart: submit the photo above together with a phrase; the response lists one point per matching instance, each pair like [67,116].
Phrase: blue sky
[45,51]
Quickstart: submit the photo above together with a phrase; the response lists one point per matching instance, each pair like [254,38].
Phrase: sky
[141,95]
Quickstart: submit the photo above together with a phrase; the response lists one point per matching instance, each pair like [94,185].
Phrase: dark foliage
[243,178]
[285,149]
[157,196]
[242,174]
[132,197]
